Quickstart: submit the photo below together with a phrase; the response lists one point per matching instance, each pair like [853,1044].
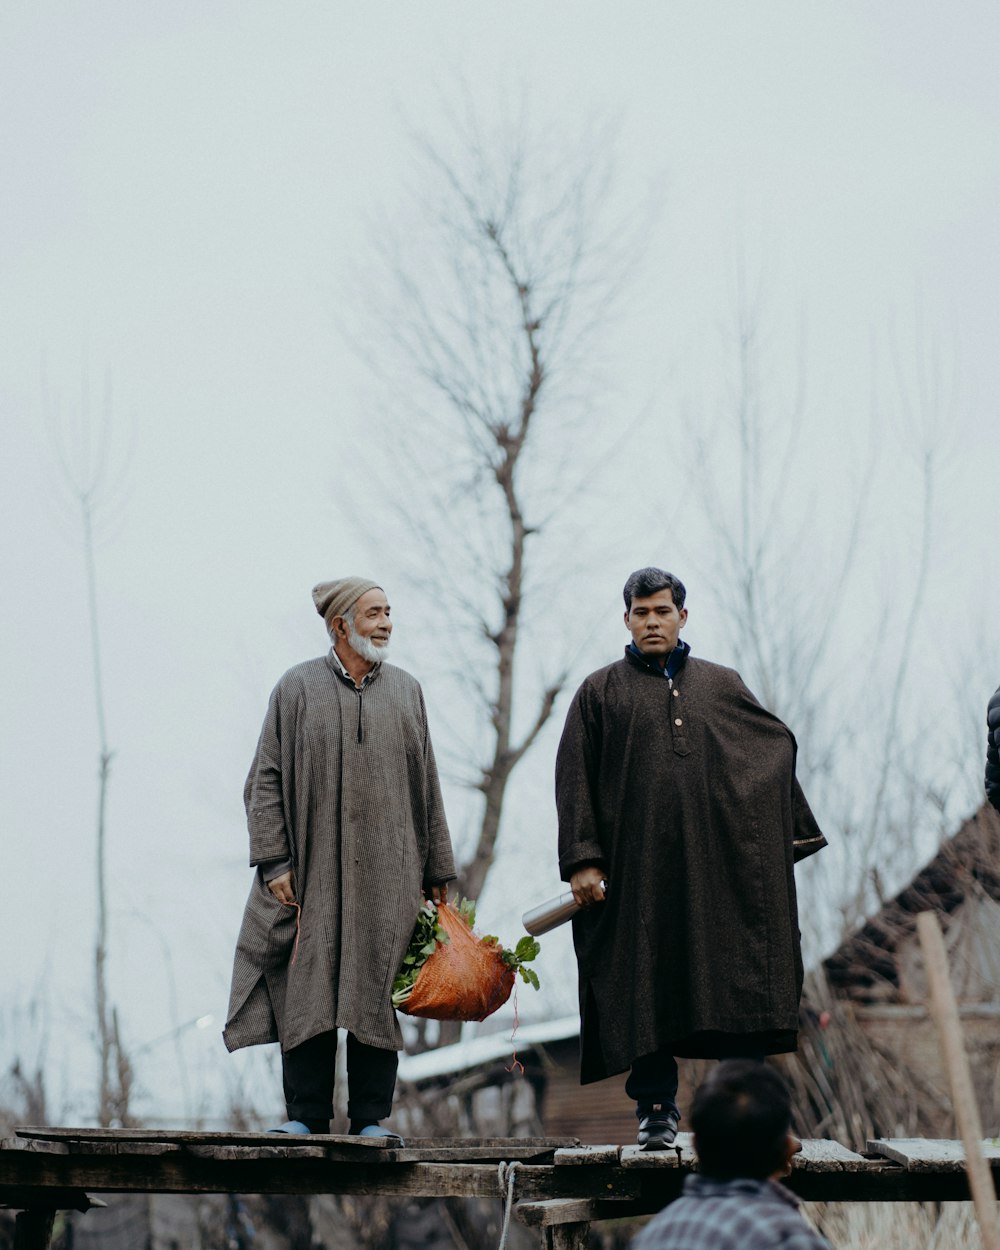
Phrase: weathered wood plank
[180,1137]
[185,1137]
[244,1153]
[341,1153]
[490,1143]
[338,1151]
[183,1173]
[919,1154]
[885,1183]
[512,1151]
[818,1155]
[42,1147]
[586,1156]
[149,1148]
[331,1146]
[555,1211]
[892,1184]
[636,1157]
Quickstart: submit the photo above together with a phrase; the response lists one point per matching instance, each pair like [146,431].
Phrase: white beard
[367,649]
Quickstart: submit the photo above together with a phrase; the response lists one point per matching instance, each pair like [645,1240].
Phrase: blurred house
[878,972]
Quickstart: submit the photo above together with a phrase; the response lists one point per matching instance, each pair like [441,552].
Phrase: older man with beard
[347,833]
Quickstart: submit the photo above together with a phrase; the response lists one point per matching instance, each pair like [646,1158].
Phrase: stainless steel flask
[552,913]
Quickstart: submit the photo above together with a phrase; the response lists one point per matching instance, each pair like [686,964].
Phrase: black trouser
[308,1071]
[653,1079]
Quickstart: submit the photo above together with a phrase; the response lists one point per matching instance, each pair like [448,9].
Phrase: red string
[514,1061]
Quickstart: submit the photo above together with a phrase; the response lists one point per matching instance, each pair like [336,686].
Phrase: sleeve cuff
[585,855]
[440,880]
[271,868]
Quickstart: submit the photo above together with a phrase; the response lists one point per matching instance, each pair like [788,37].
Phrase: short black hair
[741,1117]
[645,582]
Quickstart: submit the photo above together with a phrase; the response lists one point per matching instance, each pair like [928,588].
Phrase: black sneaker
[658,1127]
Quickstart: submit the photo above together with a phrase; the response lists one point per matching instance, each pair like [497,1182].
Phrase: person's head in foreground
[742,1122]
[741,1117]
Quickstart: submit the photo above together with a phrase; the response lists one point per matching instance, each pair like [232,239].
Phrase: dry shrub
[897,1225]
[846,1088]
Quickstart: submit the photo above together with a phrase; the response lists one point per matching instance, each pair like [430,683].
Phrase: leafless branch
[491,304]
[94,475]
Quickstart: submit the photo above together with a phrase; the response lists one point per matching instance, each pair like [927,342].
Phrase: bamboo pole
[944,1009]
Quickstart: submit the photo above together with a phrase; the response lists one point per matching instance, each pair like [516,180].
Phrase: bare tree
[781,604]
[787,590]
[495,303]
[94,477]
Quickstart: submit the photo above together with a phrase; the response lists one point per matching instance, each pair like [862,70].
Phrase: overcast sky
[187,188]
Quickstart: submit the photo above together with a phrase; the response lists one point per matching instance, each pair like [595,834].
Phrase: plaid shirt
[741,1214]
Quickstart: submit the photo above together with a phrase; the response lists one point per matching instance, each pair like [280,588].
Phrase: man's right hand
[587,885]
[282,888]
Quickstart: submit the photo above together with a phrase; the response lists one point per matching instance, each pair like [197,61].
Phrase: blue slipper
[290,1126]
[376,1130]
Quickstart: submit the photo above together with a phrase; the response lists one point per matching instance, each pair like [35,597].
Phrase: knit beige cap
[335,598]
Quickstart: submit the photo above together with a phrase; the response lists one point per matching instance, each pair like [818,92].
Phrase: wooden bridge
[554,1185]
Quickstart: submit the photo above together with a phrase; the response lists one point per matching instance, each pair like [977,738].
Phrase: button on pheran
[678,721]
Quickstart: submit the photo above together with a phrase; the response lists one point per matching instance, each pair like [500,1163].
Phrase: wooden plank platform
[56,1167]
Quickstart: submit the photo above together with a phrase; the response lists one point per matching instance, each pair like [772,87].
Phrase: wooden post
[944,1009]
[564,1222]
[569,1236]
[33,1228]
